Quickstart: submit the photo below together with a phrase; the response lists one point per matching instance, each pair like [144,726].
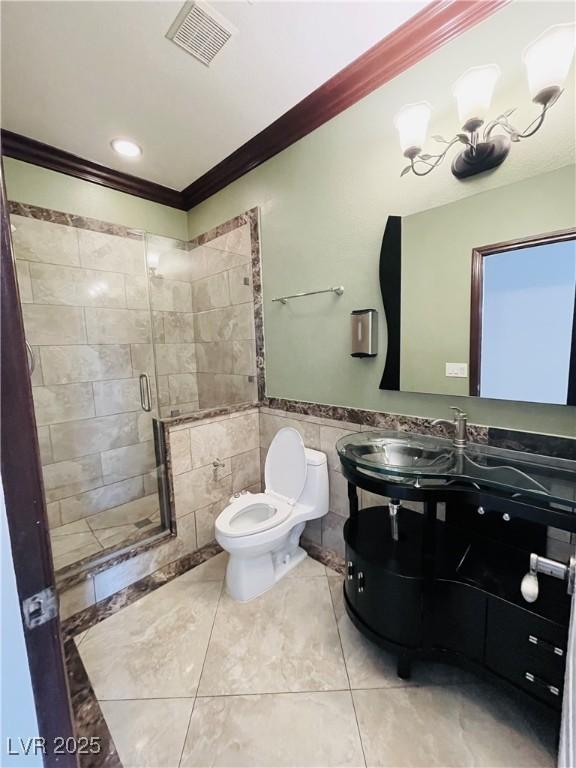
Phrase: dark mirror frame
[478,255]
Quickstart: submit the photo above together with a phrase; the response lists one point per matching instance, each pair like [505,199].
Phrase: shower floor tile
[112,528]
[187,677]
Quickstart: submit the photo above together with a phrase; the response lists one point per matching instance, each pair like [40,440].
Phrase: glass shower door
[85,302]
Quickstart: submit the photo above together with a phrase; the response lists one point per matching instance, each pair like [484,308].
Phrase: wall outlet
[457,370]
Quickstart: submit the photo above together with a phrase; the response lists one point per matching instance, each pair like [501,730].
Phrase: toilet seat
[286,467]
[285,476]
[253,513]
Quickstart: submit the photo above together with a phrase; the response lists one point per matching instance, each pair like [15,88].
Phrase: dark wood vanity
[449,587]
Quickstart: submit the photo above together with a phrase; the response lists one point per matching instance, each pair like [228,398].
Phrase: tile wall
[210,460]
[203,322]
[322,434]
[85,305]
[237,442]
[200,492]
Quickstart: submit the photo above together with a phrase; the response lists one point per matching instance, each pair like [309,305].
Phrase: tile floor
[186,677]
[115,527]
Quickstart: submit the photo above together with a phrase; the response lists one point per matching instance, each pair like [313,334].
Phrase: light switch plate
[457,370]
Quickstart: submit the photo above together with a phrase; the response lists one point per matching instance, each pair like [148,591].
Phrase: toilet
[261,531]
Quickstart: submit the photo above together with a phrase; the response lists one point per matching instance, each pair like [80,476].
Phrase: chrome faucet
[460,424]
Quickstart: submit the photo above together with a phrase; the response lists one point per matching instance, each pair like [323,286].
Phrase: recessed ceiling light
[126,148]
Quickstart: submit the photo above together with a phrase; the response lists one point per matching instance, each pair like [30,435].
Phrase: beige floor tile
[306,569]
[448,726]
[370,666]
[79,637]
[266,731]
[70,548]
[155,647]
[112,537]
[127,514]
[148,734]
[285,640]
[212,570]
[80,526]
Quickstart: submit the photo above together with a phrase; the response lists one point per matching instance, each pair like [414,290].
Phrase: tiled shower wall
[85,304]
[203,322]
[201,491]
[210,460]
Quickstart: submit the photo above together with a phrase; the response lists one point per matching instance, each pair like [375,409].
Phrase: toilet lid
[285,468]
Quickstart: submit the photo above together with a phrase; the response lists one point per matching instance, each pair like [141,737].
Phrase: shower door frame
[26,515]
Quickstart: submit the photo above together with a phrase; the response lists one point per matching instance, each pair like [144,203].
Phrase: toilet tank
[315,493]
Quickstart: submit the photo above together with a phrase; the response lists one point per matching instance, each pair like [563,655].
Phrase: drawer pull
[545,645]
[349,570]
[542,683]
[360,581]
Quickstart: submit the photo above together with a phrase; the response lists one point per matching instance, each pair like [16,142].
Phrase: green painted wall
[26,183]
[430,337]
[324,203]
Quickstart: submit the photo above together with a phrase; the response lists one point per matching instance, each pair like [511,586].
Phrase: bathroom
[251,291]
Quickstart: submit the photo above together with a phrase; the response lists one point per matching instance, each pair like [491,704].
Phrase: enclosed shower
[124,329]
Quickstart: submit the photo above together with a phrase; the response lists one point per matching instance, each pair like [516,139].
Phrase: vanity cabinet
[378,587]
[526,649]
[450,591]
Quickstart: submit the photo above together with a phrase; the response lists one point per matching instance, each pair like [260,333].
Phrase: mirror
[522,332]
[479,294]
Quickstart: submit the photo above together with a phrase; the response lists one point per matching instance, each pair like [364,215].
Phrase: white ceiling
[77,74]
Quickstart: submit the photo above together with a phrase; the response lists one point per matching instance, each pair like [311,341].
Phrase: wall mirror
[522,324]
[479,294]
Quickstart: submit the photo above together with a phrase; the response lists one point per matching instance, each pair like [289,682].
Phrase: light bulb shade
[547,61]
[473,93]
[153,259]
[412,125]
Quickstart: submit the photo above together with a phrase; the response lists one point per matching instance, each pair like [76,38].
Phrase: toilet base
[249,577]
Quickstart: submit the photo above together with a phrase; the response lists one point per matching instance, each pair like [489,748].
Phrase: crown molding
[35,152]
[436,24]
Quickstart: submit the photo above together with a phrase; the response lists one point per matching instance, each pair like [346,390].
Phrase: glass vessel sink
[398,451]
[407,457]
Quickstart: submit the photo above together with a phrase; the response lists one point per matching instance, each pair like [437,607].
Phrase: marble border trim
[325,556]
[557,446]
[207,413]
[88,718]
[222,229]
[376,419]
[83,620]
[72,220]
[533,442]
[81,570]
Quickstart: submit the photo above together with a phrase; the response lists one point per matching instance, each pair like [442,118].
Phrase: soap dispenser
[364,333]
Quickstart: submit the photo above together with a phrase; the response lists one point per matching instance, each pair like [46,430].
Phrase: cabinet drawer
[526,649]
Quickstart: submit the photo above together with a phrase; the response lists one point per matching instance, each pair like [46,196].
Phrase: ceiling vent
[201,31]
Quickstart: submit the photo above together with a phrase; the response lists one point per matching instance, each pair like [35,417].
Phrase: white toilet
[261,531]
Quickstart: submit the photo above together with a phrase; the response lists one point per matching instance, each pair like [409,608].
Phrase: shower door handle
[31,359]
[145,399]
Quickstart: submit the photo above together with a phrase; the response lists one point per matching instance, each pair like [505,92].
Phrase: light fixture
[153,259]
[473,93]
[412,124]
[547,62]
[126,147]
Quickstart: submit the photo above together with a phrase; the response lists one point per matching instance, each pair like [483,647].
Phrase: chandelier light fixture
[547,61]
